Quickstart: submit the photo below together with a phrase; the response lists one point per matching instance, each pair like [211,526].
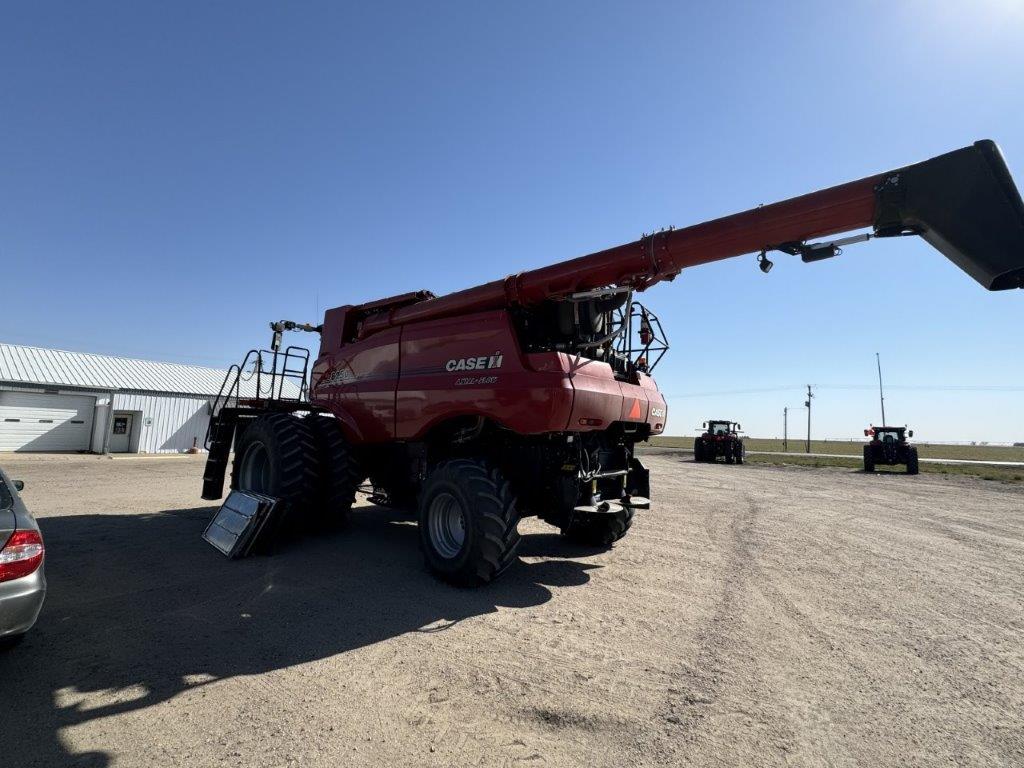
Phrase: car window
[6,500]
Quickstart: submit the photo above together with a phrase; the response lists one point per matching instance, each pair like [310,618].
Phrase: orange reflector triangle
[634,412]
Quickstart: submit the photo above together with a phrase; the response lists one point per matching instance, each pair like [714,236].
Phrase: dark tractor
[889,447]
[720,438]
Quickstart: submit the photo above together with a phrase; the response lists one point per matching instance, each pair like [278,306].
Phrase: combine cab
[720,438]
[889,447]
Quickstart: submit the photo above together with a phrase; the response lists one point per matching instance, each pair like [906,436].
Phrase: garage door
[34,422]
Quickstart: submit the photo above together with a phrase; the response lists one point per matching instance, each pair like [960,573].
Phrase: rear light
[21,556]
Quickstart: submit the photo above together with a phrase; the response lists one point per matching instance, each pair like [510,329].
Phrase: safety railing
[262,378]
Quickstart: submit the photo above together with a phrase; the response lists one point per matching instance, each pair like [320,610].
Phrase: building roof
[56,367]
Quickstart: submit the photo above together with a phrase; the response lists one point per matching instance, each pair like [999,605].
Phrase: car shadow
[140,609]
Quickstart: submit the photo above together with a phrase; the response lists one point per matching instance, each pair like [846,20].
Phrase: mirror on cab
[739,427]
[910,433]
[867,433]
[19,485]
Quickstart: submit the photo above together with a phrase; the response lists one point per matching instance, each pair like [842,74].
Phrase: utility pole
[881,395]
[808,405]
[785,428]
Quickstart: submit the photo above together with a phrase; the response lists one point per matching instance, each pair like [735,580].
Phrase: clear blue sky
[175,175]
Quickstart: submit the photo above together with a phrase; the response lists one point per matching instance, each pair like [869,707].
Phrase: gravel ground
[757,616]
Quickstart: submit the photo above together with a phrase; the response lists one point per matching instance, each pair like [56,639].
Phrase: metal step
[636,502]
[601,508]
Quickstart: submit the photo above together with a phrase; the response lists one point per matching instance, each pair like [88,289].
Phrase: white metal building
[52,400]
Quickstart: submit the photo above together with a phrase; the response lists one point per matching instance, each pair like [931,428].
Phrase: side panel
[601,397]
[657,414]
[471,365]
[599,400]
[357,383]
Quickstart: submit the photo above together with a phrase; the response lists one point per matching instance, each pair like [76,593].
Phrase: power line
[855,387]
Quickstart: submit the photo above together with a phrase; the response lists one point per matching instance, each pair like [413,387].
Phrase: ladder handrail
[278,371]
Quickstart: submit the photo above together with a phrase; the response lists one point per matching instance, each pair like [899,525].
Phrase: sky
[173,176]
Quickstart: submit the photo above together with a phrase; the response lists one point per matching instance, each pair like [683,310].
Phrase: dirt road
[757,616]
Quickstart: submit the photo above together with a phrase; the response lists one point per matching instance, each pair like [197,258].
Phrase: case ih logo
[474,363]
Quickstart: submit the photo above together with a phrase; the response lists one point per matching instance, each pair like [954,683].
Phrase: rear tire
[467,522]
[340,473]
[276,456]
[698,450]
[599,530]
[869,461]
[912,465]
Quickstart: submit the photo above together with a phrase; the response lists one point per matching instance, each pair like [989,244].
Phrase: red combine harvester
[527,395]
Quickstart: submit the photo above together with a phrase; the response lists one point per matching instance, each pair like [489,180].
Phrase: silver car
[22,581]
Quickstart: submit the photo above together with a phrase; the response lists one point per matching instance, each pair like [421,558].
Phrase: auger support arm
[964,203]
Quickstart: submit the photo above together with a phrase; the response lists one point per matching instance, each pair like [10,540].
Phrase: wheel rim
[255,474]
[446,525]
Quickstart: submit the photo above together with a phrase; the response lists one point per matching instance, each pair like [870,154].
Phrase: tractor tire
[741,454]
[698,450]
[912,467]
[468,522]
[277,456]
[599,530]
[869,461]
[340,473]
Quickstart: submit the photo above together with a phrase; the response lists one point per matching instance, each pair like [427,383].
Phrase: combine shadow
[139,604]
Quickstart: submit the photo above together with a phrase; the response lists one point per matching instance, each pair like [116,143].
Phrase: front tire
[276,456]
[467,522]
[912,465]
[599,530]
[869,461]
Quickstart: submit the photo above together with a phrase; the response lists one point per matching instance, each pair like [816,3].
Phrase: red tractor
[528,395]
[720,439]
[889,447]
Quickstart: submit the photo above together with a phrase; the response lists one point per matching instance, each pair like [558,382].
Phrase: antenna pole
[881,396]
